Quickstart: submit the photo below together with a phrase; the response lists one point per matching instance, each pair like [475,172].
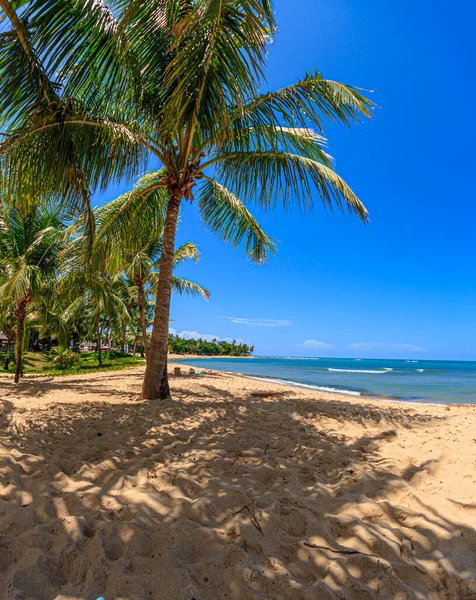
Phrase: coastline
[345,394]
[432,383]
[202,356]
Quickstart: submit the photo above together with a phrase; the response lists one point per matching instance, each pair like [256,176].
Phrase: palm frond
[218,57]
[271,138]
[74,30]
[309,102]
[141,210]
[225,214]
[24,81]
[69,158]
[269,177]
[189,288]
[187,251]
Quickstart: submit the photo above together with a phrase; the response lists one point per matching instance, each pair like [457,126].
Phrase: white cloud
[195,335]
[310,344]
[259,322]
[375,346]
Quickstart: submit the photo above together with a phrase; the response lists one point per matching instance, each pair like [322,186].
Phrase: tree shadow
[216,496]
[83,384]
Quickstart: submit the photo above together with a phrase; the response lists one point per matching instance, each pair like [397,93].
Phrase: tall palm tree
[88,90]
[144,271]
[29,249]
[138,255]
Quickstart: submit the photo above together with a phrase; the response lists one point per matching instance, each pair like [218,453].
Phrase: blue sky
[404,285]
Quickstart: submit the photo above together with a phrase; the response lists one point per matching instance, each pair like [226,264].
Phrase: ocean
[429,381]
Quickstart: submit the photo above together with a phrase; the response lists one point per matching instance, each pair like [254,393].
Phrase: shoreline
[326,390]
[203,356]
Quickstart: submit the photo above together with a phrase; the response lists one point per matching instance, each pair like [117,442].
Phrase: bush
[64,359]
[112,354]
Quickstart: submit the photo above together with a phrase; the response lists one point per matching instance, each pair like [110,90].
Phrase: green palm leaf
[310,101]
[189,288]
[24,81]
[68,158]
[273,138]
[267,177]
[187,251]
[142,208]
[226,215]
[218,57]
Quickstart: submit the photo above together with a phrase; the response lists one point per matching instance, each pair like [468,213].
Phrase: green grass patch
[41,363]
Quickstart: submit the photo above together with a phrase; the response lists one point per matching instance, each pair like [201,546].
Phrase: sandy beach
[229,493]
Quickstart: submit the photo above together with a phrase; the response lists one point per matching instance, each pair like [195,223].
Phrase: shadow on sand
[215,497]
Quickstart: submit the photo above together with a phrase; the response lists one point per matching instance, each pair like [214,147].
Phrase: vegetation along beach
[233,367]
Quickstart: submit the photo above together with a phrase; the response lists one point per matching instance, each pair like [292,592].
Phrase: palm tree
[52,317]
[100,87]
[7,327]
[138,255]
[29,247]
[91,287]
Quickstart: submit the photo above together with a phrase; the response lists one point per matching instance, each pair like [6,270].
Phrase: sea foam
[381,372]
[320,388]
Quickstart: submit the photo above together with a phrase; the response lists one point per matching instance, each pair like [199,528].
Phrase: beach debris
[192,371]
[254,520]
[177,371]
[340,550]
[266,394]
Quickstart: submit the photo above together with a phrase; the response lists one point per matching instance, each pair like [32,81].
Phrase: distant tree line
[178,345]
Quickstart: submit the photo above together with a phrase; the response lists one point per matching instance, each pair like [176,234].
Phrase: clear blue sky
[405,285]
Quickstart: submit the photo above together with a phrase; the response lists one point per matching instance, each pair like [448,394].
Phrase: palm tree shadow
[218,496]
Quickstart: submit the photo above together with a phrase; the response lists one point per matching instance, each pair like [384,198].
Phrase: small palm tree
[91,287]
[90,90]
[29,248]
[7,327]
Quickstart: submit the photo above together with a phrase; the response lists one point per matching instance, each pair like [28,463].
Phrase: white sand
[224,496]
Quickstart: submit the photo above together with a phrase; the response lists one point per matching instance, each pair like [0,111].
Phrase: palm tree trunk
[134,347]
[123,340]
[98,340]
[9,349]
[143,324]
[108,335]
[20,314]
[156,383]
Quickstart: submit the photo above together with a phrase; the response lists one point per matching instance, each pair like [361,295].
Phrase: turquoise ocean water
[432,381]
